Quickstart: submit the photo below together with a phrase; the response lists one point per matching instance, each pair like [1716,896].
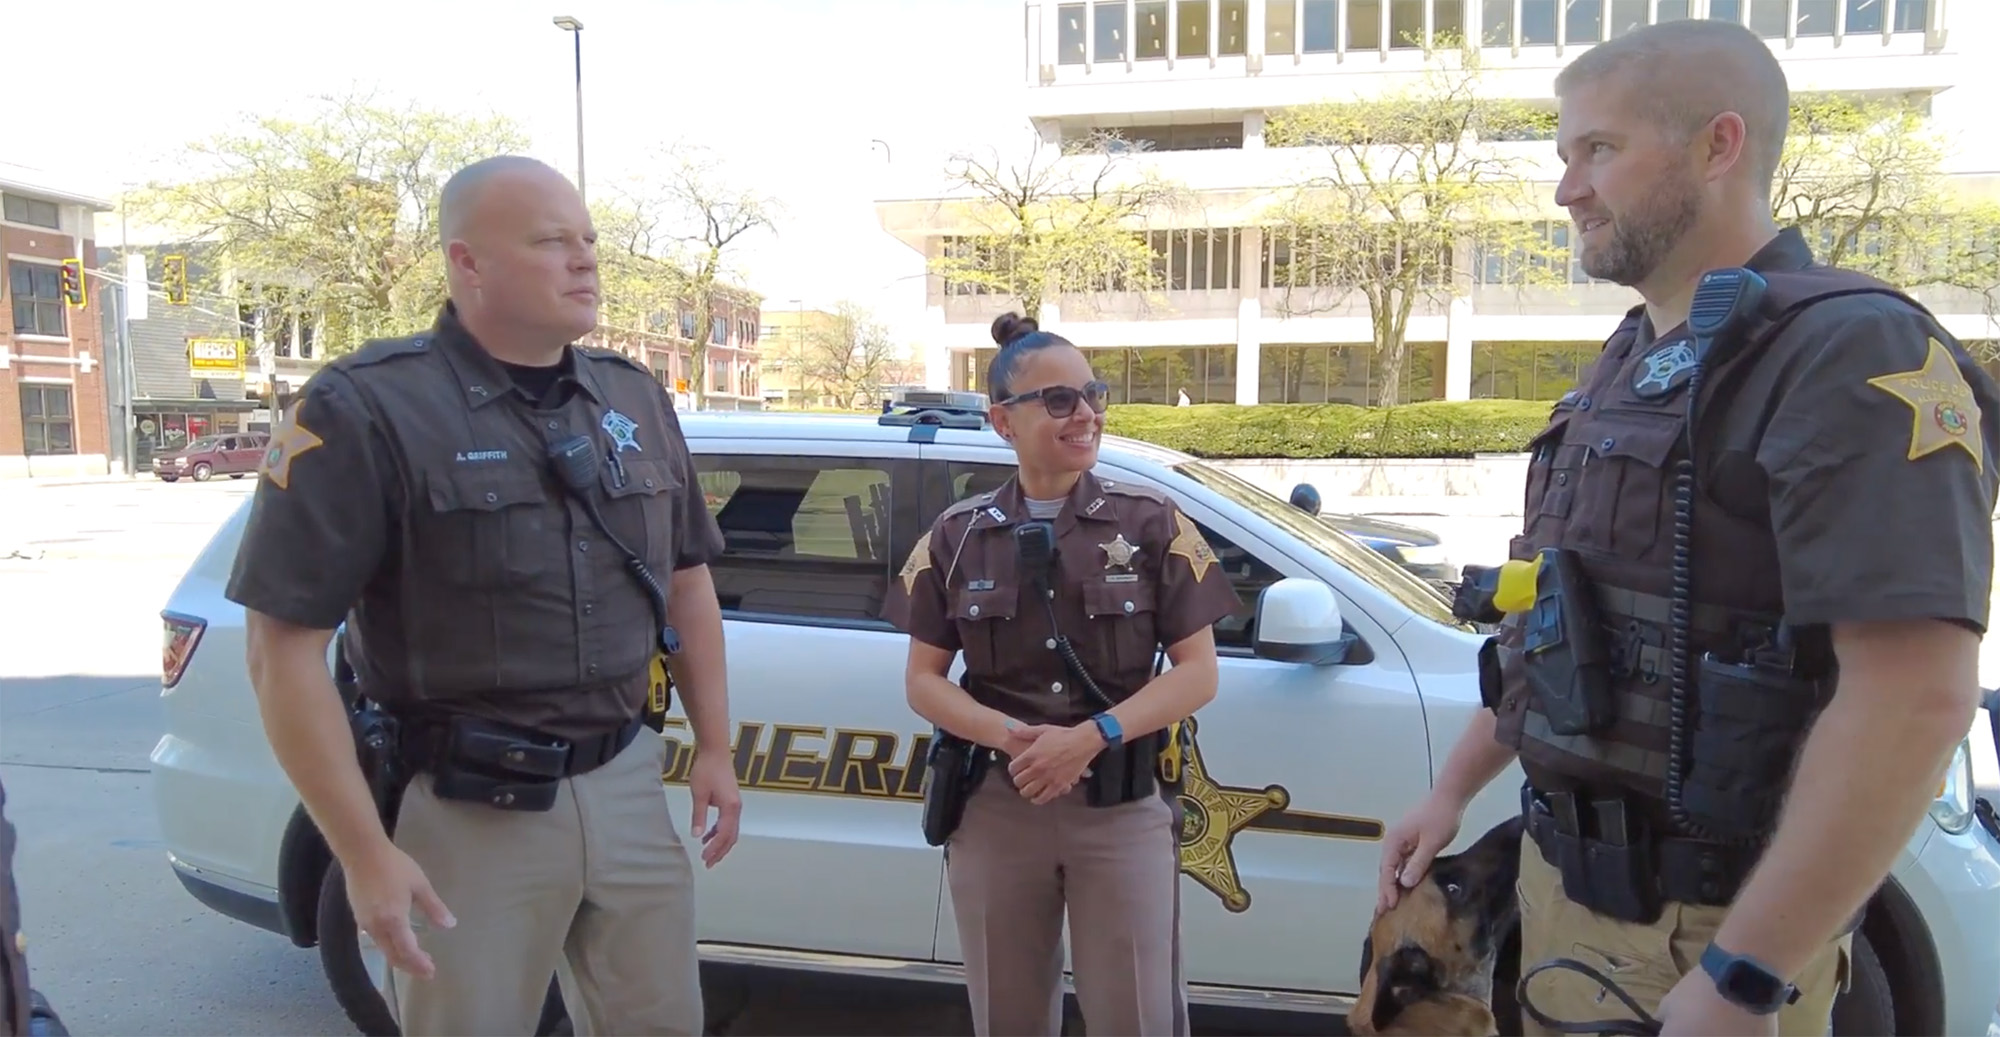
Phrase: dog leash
[1643,1026]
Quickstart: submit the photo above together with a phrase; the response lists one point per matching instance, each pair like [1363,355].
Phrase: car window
[802,536]
[1347,552]
[228,444]
[1247,572]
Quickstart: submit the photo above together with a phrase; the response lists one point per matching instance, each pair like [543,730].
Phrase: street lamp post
[575,29]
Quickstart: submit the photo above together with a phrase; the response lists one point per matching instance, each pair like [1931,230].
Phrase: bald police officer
[469,500]
[1117,572]
[1791,619]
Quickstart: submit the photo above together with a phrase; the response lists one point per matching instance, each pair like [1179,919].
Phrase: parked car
[1414,548]
[234,454]
[1298,766]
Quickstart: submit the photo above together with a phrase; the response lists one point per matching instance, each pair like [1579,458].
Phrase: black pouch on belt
[1746,738]
[1123,774]
[500,765]
[953,767]
[1568,663]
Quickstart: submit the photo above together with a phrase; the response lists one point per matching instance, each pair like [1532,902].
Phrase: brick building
[52,376]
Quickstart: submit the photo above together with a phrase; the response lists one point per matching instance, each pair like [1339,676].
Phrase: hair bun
[1009,326]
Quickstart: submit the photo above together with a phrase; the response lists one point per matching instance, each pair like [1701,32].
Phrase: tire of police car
[354,989]
[1868,1007]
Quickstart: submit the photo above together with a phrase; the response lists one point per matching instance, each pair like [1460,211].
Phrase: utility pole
[575,29]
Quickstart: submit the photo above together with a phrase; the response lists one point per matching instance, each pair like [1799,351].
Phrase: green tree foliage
[1396,187]
[1066,223]
[1864,179]
[331,215]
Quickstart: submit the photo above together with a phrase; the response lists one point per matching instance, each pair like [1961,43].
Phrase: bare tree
[1067,222]
[849,358]
[1397,185]
[675,236]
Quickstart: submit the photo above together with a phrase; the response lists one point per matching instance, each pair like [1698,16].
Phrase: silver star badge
[1118,553]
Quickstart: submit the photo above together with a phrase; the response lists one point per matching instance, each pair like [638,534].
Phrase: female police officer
[1066,811]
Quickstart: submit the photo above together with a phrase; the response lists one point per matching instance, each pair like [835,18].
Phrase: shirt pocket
[494,529]
[986,631]
[1125,620]
[1553,464]
[640,508]
[1625,504]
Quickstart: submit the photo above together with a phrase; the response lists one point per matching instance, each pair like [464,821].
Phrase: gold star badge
[1944,413]
[919,560]
[1189,544]
[1211,815]
[291,439]
[1118,553]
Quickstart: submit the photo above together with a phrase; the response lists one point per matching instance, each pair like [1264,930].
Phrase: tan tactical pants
[600,884]
[1646,960]
[1014,867]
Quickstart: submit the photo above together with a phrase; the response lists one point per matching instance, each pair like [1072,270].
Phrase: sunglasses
[1061,400]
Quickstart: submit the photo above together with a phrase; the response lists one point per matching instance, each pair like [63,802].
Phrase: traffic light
[72,282]
[174,273]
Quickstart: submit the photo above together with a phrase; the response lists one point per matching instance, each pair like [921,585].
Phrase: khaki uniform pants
[599,884]
[1014,866]
[1646,960]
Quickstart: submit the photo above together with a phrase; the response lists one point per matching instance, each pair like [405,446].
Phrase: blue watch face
[1107,725]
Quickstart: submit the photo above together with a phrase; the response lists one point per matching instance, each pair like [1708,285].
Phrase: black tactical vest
[1604,480]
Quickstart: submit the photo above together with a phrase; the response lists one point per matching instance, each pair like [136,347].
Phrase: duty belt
[1584,838]
[428,741]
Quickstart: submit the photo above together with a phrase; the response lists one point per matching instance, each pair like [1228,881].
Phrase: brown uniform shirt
[410,483]
[1132,573]
[13,947]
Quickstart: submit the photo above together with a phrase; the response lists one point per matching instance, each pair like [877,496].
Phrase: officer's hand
[1053,765]
[1409,847]
[712,783]
[381,893]
[1020,736]
[1695,1006]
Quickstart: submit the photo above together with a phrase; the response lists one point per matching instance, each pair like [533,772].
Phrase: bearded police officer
[1061,589]
[512,528]
[1742,673]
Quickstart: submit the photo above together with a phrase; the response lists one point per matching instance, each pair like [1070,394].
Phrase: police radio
[1035,543]
[1724,301]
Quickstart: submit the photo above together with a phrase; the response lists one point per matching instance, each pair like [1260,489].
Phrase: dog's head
[1441,938]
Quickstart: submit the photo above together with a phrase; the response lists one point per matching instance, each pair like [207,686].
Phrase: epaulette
[599,353]
[1134,490]
[972,503]
[375,351]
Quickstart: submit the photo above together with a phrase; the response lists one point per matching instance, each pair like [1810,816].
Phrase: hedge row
[1302,431]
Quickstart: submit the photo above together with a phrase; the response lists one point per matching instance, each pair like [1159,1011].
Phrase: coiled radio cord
[1681,612]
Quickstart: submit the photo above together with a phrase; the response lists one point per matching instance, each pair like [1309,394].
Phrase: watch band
[1746,982]
[1108,726]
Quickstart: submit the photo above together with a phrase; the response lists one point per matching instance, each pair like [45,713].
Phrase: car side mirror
[1298,621]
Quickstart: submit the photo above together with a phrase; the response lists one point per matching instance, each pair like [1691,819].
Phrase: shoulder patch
[1126,489]
[919,560]
[376,351]
[1944,413]
[1191,545]
[291,439]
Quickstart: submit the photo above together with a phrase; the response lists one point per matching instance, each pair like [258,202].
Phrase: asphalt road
[114,941]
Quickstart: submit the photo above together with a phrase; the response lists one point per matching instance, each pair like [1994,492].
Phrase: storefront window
[1528,370]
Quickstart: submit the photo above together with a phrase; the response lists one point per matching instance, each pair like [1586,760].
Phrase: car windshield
[1351,554]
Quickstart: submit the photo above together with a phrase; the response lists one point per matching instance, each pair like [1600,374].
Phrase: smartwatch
[1108,726]
[1745,982]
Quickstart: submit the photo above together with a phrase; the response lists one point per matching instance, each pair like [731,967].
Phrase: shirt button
[1052,592]
[491,497]
[583,545]
[649,484]
[1056,687]
[1562,478]
[588,608]
[1606,445]
[973,611]
[591,669]
[1128,608]
[553,425]
[1050,643]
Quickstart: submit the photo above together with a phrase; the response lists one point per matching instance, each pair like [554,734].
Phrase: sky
[792,94]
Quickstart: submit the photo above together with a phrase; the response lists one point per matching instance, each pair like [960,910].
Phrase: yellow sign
[216,357]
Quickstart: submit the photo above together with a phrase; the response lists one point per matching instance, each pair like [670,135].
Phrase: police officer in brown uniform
[1061,588]
[512,528]
[1761,537]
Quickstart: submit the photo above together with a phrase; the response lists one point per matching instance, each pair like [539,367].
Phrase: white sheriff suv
[1299,769]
